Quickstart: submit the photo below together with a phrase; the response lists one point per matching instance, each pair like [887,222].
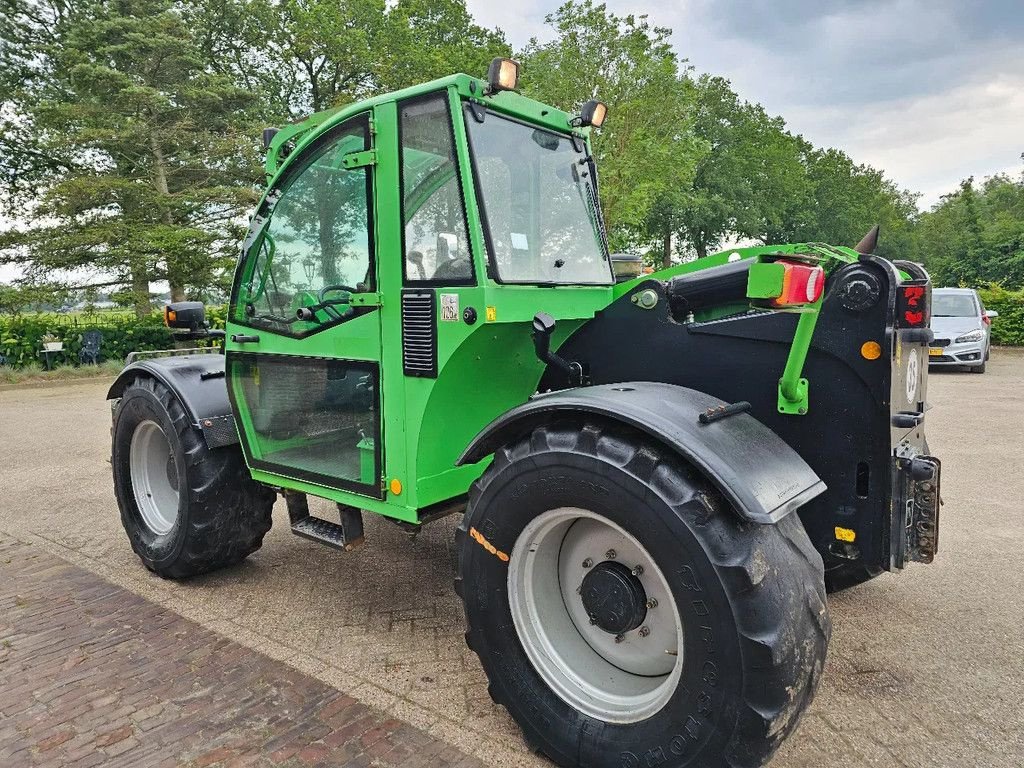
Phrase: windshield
[953,305]
[539,204]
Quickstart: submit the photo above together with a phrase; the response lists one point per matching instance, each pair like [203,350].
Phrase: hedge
[1008,328]
[21,335]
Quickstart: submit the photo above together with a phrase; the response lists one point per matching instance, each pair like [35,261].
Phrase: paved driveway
[925,668]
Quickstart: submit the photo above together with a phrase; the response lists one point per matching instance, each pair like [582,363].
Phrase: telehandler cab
[658,475]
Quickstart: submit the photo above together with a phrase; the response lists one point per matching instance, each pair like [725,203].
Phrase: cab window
[315,249]
[436,249]
[538,197]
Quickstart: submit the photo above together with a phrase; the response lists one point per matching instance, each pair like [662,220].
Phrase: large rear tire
[187,509]
[706,655]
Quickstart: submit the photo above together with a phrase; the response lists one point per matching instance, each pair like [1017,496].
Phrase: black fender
[198,383]
[755,469]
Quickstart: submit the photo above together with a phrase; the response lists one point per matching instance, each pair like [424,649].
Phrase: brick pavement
[91,674]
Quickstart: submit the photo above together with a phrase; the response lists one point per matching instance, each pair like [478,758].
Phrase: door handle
[241,338]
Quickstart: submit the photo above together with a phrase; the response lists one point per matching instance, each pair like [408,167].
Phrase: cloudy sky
[931,91]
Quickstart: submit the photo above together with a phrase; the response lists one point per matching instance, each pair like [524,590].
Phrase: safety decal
[450,307]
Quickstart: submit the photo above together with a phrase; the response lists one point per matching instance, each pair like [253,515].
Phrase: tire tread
[783,648]
[229,513]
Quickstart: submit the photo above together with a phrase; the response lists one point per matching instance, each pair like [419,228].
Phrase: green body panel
[484,368]
[765,280]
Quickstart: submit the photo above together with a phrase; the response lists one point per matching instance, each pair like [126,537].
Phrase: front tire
[187,509]
[738,609]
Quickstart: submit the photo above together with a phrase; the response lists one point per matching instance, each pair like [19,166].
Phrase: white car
[962,328]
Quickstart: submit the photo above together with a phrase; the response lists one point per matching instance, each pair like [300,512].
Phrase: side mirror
[991,313]
[187,315]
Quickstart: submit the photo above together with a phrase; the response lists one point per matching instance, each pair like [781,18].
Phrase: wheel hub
[154,477]
[614,598]
[605,636]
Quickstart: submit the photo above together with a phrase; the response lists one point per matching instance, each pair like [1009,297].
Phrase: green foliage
[646,151]
[1008,328]
[975,235]
[746,183]
[304,56]
[157,171]
[21,337]
[129,152]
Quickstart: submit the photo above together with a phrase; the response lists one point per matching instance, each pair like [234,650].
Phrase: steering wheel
[330,289]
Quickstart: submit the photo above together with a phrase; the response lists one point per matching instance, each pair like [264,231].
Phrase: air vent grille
[419,333]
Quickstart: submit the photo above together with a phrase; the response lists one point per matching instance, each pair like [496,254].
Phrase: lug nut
[619,638]
[610,555]
[652,603]
[638,571]
[587,563]
[644,631]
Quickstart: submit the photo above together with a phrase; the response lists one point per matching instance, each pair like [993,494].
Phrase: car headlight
[977,335]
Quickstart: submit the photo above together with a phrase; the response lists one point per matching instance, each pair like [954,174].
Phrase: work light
[502,75]
[593,113]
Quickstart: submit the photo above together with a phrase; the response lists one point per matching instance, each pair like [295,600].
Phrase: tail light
[912,304]
[801,284]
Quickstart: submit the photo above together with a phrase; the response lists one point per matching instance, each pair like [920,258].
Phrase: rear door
[303,349]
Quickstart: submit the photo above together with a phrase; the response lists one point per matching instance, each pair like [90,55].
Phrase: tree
[427,39]
[846,199]
[751,176]
[307,56]
[975,236]
[299,56]
[157,151]
[646,151]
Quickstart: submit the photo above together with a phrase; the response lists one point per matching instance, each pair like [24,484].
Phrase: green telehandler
[659,475]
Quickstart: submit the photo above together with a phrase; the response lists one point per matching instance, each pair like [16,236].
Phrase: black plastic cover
[198,382]
[762,477]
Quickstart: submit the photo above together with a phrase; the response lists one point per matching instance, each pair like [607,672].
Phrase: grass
[34,373]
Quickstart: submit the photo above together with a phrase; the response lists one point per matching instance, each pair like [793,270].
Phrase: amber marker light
[871,350]
[396,486]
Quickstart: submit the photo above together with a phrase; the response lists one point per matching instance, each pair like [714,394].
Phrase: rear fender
[198,383]
[762,477]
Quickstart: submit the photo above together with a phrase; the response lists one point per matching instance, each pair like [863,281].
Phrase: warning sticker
[450,307]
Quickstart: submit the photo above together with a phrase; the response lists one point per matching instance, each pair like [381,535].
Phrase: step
[326,532]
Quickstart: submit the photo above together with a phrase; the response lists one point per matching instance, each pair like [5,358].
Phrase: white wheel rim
[622,681]
[154,477]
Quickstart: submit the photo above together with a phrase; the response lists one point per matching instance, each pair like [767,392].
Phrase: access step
[345,535]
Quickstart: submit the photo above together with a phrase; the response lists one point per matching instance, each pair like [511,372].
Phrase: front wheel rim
[153,469]
[615,676]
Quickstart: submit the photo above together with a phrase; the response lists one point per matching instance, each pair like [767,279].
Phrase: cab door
[304,339]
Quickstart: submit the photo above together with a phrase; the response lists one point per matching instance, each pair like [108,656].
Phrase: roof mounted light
[593,113]
[502,75]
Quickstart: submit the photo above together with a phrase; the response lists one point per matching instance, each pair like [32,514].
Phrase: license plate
[934,352]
